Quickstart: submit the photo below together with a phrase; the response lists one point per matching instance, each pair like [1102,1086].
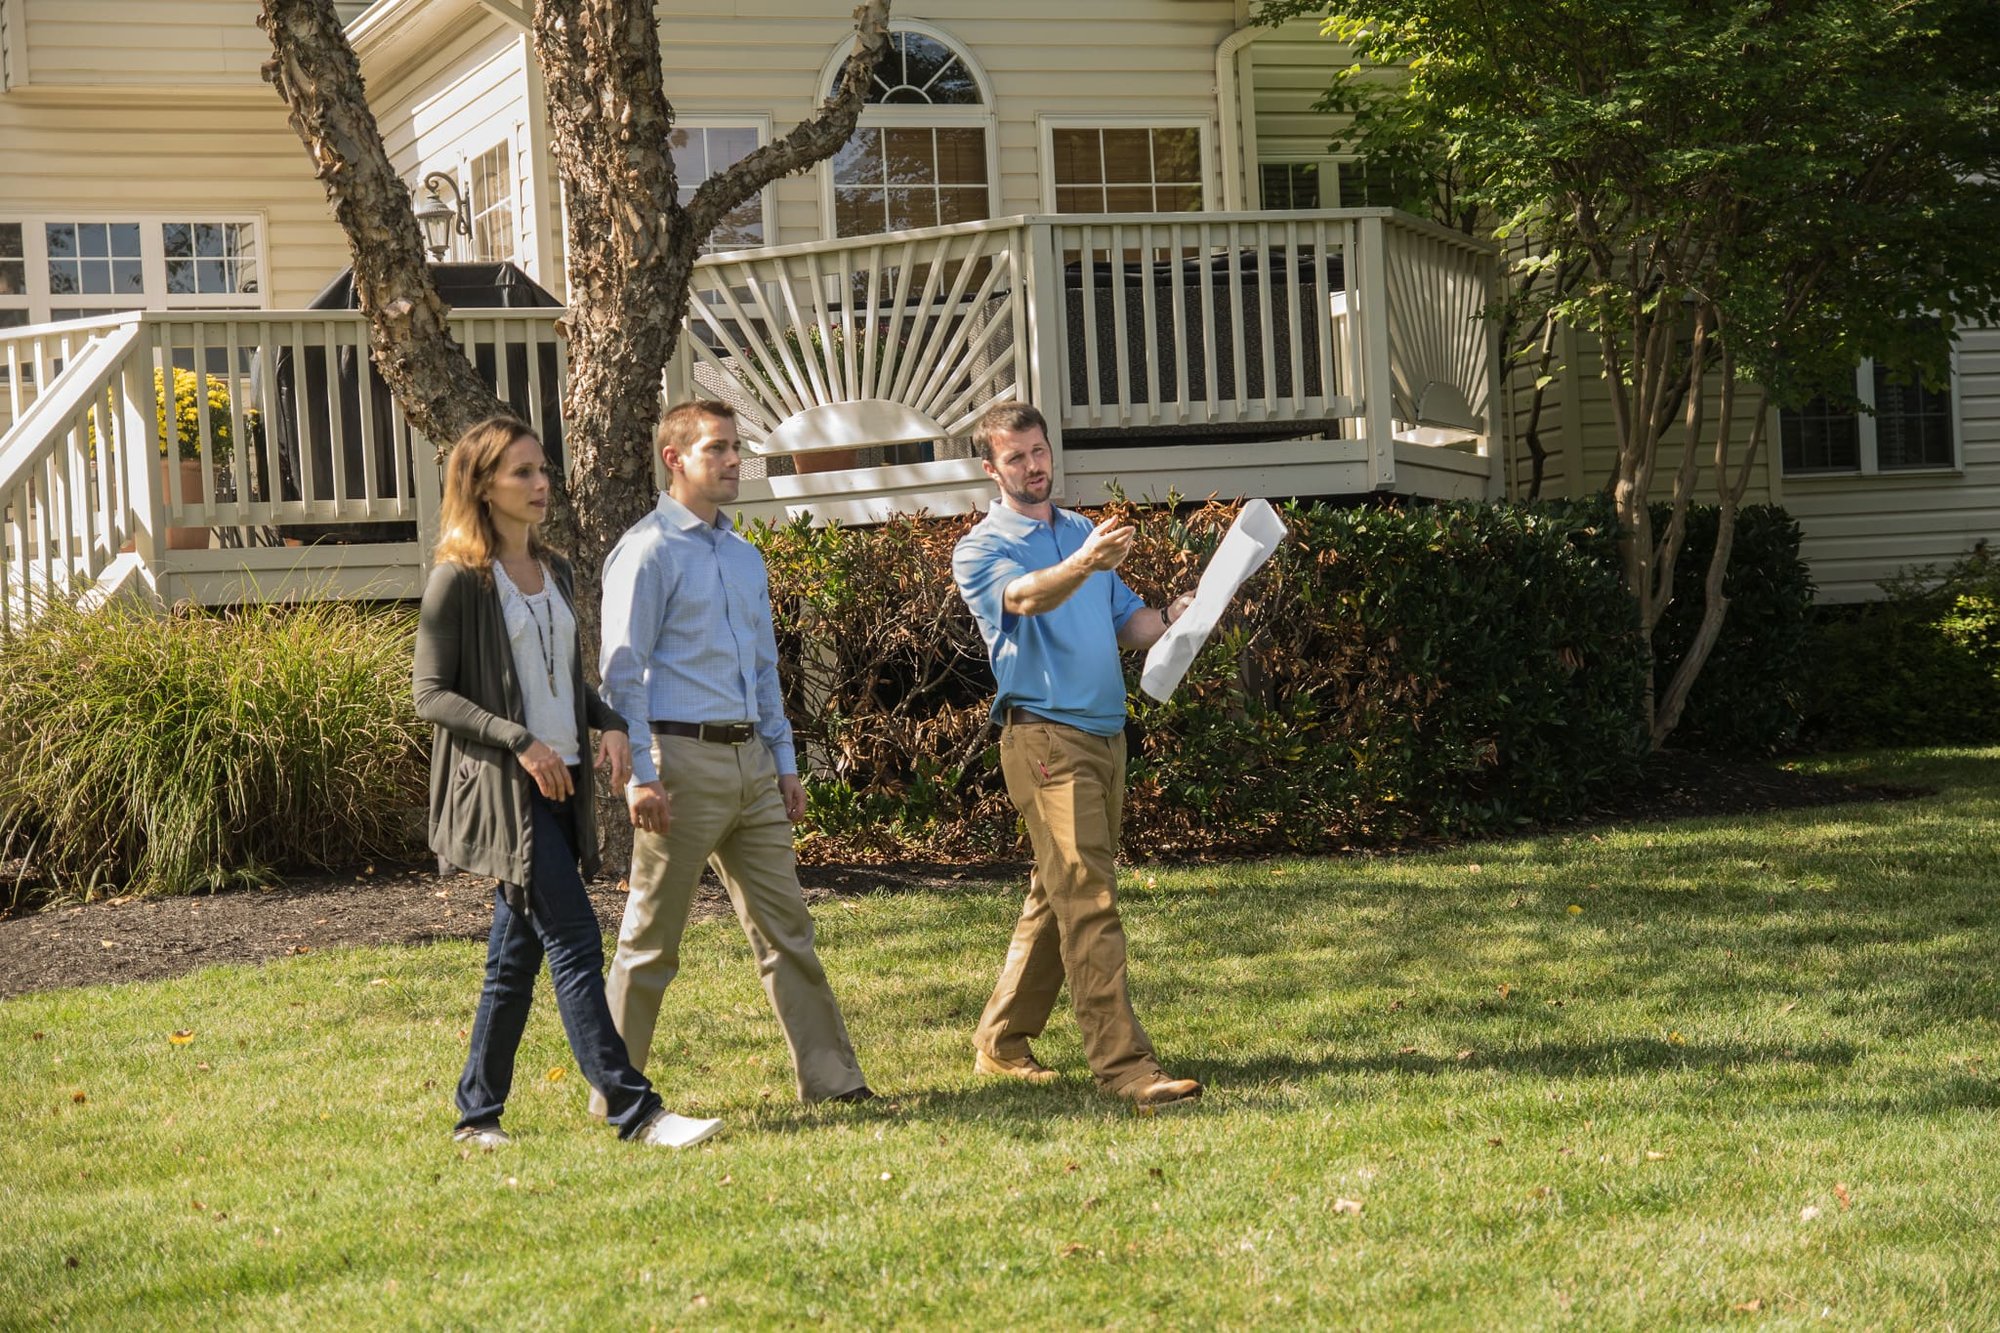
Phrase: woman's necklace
[546,644]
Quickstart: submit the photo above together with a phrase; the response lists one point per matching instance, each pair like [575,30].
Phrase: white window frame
[1865,431]
[1047,125]
[505,146]
[41,304]
[761,123]
[913,116]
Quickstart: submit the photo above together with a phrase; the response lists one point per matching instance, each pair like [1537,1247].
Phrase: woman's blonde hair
[466,536]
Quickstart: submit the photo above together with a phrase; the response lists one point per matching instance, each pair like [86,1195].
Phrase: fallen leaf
[79,1096]
[510,1182]
[1676,1039]
[1467,1054]
[181,1036]
[888,1175]
[1751,1306]
[1406,1050]
[726,1180]
[69,1261]
[555,1075]
[1475,867]
[37,1036]
[106,944]
[1074,1248]
[1156,1173]
[1496,1142]
[1575,909]
[1070,1167]
[624,886]
[199,1206]
[379,981]
[1809,1213]
[1846,1199]
[1352,1207]
[700,1302]
[1539,1192]
[1504,989]
[202,1065]
[1788,1007]
[1652,1156]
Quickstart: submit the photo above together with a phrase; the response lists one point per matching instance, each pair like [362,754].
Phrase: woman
[498,677]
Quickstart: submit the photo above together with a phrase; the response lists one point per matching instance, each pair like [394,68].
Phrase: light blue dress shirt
[1062,663]
[687,632]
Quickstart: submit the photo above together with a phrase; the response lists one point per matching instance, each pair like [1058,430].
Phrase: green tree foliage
[1747,198]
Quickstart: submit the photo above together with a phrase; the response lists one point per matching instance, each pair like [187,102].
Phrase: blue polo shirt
[1063,663]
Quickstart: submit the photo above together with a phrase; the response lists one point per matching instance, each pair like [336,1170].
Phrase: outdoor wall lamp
[441,219]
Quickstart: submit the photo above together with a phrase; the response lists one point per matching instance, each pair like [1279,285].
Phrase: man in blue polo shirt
[1041,583]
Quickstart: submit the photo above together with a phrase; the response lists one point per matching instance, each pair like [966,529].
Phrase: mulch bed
[131,939]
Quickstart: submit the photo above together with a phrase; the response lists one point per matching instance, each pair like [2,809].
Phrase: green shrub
[1750,696]
[1920,667]
[1391,674]
[168,754]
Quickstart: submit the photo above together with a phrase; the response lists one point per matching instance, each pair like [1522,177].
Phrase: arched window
[922,155]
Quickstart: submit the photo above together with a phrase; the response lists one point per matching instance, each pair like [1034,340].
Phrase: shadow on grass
[1625,1055]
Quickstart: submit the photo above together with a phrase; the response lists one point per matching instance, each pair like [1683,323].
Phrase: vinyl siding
[1115,58]
[142,157]
[463,98]
[145,44]
[1861,530]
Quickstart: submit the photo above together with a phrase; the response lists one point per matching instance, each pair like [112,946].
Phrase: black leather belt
[1020,717]
[722,733]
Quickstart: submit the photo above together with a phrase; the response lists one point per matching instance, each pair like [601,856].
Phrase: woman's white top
[542,631]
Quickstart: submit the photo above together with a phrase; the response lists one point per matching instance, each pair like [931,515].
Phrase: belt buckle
[729,733]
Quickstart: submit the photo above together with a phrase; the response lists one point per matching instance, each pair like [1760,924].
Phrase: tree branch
[810,141]
[313,68]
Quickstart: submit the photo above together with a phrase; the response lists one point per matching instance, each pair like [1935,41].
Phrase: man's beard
[1028,494]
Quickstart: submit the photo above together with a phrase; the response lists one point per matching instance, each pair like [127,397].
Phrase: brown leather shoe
[1163,1092]
[1028,1069]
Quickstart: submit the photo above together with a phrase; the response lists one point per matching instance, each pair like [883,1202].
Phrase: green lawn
[1752,1080]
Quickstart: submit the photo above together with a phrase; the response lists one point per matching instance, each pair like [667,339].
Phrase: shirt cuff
[785,755]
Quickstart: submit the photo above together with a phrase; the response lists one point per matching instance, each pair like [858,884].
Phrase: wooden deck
[1274,354]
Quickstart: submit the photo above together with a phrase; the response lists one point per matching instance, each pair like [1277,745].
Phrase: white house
[1125,210]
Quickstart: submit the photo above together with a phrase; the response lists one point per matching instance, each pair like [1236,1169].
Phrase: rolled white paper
[1247,545]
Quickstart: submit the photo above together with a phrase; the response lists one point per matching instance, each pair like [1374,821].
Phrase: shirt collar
[680,516]
[1016,524]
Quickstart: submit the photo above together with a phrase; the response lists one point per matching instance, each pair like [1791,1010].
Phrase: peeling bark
[314,69]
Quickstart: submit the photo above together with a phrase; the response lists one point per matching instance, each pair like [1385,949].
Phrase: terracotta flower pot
[186,539]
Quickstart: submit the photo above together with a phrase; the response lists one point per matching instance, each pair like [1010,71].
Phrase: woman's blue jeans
[559,925]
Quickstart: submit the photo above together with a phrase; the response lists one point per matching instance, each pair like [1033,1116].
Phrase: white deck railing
[300,443]
[1203,336]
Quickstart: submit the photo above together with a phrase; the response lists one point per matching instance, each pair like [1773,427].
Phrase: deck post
[145,478]
[1371,290]
[429,485]
[1048,383]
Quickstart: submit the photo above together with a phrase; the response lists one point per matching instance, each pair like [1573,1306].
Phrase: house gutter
[1239,133]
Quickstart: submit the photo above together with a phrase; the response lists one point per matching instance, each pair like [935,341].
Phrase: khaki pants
[727,812]
[1070,789]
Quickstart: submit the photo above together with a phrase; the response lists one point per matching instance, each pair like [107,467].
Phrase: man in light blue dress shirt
[689,656]
[1042,583]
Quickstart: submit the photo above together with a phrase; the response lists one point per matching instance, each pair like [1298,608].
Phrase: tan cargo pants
[727,812]
[1070,789]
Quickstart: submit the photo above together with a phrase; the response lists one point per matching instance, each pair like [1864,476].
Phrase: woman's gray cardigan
[467,690]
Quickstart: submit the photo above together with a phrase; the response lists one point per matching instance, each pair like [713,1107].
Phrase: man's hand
[1178,608]
[614,756]
[548,770]
[1106,547]
[652,810]
[794,793]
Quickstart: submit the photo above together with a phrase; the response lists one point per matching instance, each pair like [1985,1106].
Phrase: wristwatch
[1167,614]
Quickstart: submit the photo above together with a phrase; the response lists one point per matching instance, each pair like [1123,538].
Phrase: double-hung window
[922,155]
[704,147]
[1909,429]
[1151,166]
